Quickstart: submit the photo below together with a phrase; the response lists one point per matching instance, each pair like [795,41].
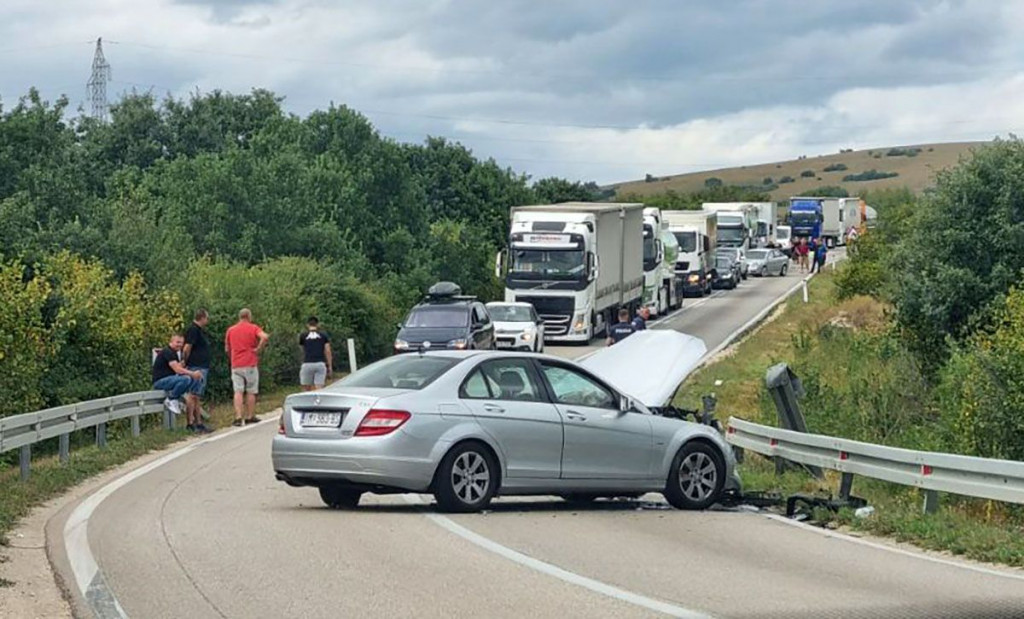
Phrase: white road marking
[552,570]
[893,549]
[86,571]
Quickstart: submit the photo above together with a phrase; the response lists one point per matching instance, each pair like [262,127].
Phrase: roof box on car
[446,292]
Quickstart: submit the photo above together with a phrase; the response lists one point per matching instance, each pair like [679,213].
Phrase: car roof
[510,303]
[460,303]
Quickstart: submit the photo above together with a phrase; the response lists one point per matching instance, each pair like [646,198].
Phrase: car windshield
[723,262]
[438,317]
[401,372]
[564,263]
[757,254]
[510,313]
[687,241]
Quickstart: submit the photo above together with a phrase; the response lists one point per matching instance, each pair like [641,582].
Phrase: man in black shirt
[317,359]
[622,329]
[196,356]
[171,376]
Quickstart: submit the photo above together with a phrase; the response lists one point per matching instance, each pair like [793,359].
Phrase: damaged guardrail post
[785,388]
[845,486]
[931,502]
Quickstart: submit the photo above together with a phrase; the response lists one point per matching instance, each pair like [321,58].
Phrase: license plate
[321,420]
[505,343]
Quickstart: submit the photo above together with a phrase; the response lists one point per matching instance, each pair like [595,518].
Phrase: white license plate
[321,420]
[502,344]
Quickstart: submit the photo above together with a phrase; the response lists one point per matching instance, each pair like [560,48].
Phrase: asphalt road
[211,534]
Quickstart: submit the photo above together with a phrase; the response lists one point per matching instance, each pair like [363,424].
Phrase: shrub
[829,191]
[767,181]
[786,179]
[902,152]
[835,167]
[869,175]
[713,182]
[807,174]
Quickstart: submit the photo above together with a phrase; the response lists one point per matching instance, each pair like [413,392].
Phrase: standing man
[640,320]
[243,343]
[196,357]
[821,257]
[171,376]
[317,359]
[622,329]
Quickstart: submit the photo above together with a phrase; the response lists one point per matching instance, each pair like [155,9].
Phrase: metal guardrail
[1001,480]
[22,431]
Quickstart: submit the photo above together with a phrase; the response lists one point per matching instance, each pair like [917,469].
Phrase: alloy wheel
[471,477]
[698,476]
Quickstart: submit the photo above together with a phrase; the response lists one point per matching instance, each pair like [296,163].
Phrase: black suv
[447,320]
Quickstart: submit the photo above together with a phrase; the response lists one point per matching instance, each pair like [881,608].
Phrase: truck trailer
[577,263]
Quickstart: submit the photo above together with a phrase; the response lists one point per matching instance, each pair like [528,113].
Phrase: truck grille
[556,312]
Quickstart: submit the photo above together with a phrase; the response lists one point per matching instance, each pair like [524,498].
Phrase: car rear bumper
[371,461]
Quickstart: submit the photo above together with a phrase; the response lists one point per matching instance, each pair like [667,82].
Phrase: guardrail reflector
[926,470]
[843,455]
[731,430]
[774,442]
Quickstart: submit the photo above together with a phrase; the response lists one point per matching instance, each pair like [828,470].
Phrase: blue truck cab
[805,218]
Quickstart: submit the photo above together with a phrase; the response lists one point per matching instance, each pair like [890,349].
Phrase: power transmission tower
[98,83]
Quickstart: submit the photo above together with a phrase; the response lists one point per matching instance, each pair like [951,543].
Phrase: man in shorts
[317,360]
[196,356]
[243,343]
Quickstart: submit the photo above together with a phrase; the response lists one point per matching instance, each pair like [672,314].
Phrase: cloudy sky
[590,89]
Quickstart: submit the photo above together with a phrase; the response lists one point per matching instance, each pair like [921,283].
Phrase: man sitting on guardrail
[171,376]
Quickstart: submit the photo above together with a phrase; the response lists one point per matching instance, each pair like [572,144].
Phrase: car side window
[533,315]
[571,387]
[511,379]
[485,316]
[475,387]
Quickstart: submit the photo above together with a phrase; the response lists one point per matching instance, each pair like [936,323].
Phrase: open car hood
[648,365]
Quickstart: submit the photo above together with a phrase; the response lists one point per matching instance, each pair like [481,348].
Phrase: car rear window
[439,317]
[401,372]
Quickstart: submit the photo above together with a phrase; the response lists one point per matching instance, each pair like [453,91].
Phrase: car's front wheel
[339,498]
[466,480]
[785,268]
[697,477]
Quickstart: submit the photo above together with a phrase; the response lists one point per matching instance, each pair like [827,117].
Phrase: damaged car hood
[648,365]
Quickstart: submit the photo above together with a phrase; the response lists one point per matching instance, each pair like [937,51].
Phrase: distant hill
[915,167]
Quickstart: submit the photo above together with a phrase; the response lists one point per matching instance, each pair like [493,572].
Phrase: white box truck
[697,235]
[663,290]
[765,230]
[577,263]
[737,223]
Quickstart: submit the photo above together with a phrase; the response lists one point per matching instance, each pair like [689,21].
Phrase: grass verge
[804,335]
[50,479]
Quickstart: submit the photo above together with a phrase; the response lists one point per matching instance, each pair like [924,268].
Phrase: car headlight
[526,335]
[459,344]
[401,345]
[693,279]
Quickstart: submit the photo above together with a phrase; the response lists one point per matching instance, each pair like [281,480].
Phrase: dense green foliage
[869,175]
[112,233]
[675,200]
[835,167]
[829,191]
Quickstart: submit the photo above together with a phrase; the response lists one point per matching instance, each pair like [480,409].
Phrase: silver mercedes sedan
[468,426]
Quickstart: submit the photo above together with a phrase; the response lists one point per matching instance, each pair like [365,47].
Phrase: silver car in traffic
[469,426]
[769,261]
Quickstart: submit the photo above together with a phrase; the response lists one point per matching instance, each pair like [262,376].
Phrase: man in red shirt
[243,343]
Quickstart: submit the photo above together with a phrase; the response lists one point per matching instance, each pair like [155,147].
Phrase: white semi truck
[765,231]
[663,290]
[737,223]
[577,263]
[697,235]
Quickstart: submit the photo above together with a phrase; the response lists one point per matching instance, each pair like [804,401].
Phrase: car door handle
[493,408]
[575,416]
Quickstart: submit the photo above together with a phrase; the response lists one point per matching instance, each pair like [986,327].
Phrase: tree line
[112,233]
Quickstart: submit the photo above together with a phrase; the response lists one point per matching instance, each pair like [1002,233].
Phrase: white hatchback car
[517,326]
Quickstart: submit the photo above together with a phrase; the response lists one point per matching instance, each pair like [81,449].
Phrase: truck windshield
[803,218]
[650,248]
[781,233]
[555,263]
[687,241]
[730,235]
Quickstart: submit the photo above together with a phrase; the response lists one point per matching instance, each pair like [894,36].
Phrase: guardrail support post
[785,388]
[352,367]
[101,435]
[845,486]
[24,460]
[135,426]
[65,448]
[806,298]
[168,419]
[931,501]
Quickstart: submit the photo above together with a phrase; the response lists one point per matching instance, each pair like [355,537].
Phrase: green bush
[807,174]
[835,167]
[786,179]
[767,181]
[902,152]
[870,175]
[713,182]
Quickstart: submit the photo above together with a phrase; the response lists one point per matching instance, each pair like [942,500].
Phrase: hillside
[916,172]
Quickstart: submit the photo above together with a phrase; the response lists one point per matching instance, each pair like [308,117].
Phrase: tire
[764,271]
[336,497]
[785,268]
[451,489]
[697,477]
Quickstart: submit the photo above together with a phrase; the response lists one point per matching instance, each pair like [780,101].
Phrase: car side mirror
[540,322]
[399,326]
[626,404]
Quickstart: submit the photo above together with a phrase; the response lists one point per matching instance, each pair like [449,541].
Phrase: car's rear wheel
[467,479]
[339,498]
[697,477]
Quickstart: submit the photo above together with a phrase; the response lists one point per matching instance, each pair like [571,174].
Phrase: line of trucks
[578,263]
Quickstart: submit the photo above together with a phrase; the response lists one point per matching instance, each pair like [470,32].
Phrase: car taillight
[280,425]
[378,422]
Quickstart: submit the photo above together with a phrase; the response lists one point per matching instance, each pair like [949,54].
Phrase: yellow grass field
[915,173]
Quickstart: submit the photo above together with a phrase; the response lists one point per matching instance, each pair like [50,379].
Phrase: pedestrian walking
[243,343]
[821,256]
[801,251]
[196,357]
[317,358]
[622,329]
[170,375]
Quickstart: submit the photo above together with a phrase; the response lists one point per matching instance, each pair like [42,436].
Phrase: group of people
[182,367]
[626,327]
[810,254]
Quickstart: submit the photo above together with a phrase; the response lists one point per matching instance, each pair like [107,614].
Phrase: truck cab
[662,288]
[696,234]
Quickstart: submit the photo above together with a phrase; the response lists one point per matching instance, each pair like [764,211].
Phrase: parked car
[471,425]
[767,262]
[727,272]
[739,255]
[517,326]
[446,319]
